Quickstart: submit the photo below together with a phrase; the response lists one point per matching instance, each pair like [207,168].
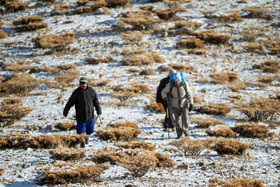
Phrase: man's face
[177,83]
[83,85]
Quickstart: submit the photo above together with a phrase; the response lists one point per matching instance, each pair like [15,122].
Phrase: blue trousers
[85,127]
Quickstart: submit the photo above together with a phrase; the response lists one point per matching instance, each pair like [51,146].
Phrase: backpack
[172,82]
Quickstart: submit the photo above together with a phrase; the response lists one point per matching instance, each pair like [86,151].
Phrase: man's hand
[191,107]
[158,104]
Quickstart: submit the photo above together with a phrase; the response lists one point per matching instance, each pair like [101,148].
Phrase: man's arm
[96,104]
[159,89]
[69,104]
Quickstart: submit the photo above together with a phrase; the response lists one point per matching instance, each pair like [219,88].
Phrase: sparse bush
[215,109]
[257,13]
[2,171]
[19,84]
[268,66]
[137,145]
[1,24]
[231,147]
[54,41]
[66,126]
[17,67]
[223,77]
[191,147]
[66,173]
[183,23]
[133,37]
[3,34]
[182,67]
[251,130]
[154,107]
[99,60]
[169,13]
[190,43]
[67,154]
[236,182]
[221,131]
[236,85]
[14,6]
[260,109]
[205,122]
[233,18]
[143,59]
[197,100]
[149,71]
[124,124]
[29,23]
[12,110]
[212,37]
[123,96]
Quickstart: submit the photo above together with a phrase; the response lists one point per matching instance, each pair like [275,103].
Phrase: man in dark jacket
[85,100]
[159,99]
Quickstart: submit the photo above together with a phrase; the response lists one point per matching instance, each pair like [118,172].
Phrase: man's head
[177,79]
[171,72]
[83,83]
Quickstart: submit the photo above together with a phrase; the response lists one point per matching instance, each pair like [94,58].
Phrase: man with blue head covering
[179,95]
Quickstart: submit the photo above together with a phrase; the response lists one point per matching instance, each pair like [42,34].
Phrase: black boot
[83,145]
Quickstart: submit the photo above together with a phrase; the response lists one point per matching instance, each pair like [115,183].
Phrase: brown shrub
[124,124]
[26,20]
[3,34]
[221,131]
[60,9]
[65,79]
[257,13]
[31,26]
[116,3]
[231,147]
[213,38]
[197,100]
[270,66]
[183,23]
[169,13]
[1,24]
[12,110]
[205,122]
[191,147]
[190,43]
[223,77]
[19,84]
[182,67]
[54,41]
[236,182]
[99,60]
[251,130]
[260,109]
[143,59]
[133,37]
[24,141]
[2,171]
[139,20]
[67,173]
[67,154]
[154,107]
[257,48]
[233,18]
[14,6]
[236,85]
[266,79]
[149,71]
[215,109]
[123,96]
[17,67]
[66,126]
[137,145]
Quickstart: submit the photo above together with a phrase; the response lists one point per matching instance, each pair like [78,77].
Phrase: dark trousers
[85,127]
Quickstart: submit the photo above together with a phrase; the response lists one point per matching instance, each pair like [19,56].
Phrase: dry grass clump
[67,154]
[267,79]
[123,96]
[260,109]
[133,37]
[197,100]
[148,71]
[116,3]
[67,77]
[54,41]
[67,173]
[154,107]
[66,126]
[139,20]
[257,13]
[119,132]
[221,131]
[271,66]
[191,147]
[230,147]
[212,37]
[24,141]
[233,18]
[14,6]
[2,171]
[169,13]
[236,182]
[205,122]
[91,8]
[182,67]
[20,66]
[251,130]
[99,60]
[215,109]
[143,59]
[137,145]
[30,23]
[223,77]
[1,24]
[190,43]
[236,86]
[3,34]
[60,9]
[135,88]
[183,23]
[19,84]
[12,110]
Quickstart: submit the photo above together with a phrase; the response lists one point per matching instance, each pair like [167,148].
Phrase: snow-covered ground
[21,166]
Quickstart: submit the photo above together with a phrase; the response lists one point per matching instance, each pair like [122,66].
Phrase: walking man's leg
[81,129]
[185,121]
[178,117]
[89,128]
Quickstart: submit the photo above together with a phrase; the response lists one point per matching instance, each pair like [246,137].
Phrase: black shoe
[83,145]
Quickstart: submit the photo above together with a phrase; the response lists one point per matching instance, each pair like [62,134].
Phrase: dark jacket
[161,86]
[84,101]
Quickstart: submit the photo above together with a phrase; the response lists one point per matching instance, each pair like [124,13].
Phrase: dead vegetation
[30,23]
[24,141]
[232,18]
[137,145]
[67,154]
[230,147]
[119,131]
[221,131]
[99,60]
[2,171]
[14,6]
[205,122]
[190,43]
[236,182]
[11,110]
[270,66]
[169,13]
[69,173]
[257,13]
[54,41]
[3,34]
[191,147]
[223,77]
[154,107]
[250,130]
[148,72]
[20,84]
[215,109]
[66,126]
[142,59]
[261,109]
